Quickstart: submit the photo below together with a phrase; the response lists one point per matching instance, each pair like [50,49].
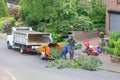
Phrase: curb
[110,70]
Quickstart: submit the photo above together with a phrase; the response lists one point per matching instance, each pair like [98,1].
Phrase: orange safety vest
[45,48]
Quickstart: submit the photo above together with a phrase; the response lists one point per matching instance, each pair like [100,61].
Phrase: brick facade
[111,5]
[81,35]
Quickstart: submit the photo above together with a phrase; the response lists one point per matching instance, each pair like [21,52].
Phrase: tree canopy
[98,13]
[3,8]
[58,16]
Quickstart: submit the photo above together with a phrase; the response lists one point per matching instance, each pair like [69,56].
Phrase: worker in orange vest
[44,50]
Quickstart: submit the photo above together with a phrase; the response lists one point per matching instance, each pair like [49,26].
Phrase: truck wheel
[8,45]
[22,49]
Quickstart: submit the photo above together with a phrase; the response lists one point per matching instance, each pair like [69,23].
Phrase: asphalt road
[30,67]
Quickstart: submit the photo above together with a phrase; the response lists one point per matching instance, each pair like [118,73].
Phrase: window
[118,1]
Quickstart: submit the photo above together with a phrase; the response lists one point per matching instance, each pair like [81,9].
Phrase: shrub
[82,23]
[1,21]
[97,13]
[78,45]
[92,63]
[111,43]
[117,48]
[85,62]
[114,43]
[108,49]
[114,35]
[7,24]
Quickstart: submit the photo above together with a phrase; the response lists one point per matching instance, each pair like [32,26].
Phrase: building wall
[81,35]
[110,5]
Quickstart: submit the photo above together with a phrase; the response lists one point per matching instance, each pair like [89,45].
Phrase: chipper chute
[46,49]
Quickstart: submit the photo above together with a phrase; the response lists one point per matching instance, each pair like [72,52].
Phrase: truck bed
[30,32]
[37,39]
[31,37]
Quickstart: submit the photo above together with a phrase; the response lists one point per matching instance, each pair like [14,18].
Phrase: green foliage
[113,37]
[57,16]
[59,63]
[83,7]
[78,45]
[17,6]
[114,44]
[57,13]
[2,19]
[55,53]
[94,9]
[41,9]
[85,62]
[111,43]
[7,24]
[117,48]
[82,23]
[92,63]
[108,49]
[58,30]
[3,8]
[62,27]
[97,14]
[56,37]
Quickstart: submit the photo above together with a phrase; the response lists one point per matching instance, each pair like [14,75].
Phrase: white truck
[26,39]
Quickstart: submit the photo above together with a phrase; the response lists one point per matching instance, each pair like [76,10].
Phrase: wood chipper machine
[45,51]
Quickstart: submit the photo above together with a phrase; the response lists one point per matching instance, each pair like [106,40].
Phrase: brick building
[112,15]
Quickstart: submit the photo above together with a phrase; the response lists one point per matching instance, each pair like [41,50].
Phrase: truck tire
[22,49]
[8,45]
